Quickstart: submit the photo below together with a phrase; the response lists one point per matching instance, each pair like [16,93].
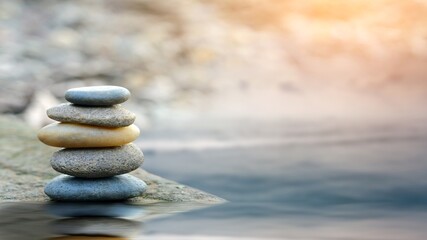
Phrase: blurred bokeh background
[240,59]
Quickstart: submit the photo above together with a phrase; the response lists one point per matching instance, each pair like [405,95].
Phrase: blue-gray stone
[97,95]
[121,187]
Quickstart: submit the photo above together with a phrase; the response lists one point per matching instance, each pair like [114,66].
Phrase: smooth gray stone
[96,226]
[95,209]
[97,95]
[97,162]
[109,116]
[67,188]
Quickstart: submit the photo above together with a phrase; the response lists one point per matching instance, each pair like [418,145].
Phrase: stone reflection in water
[94,226]
[114,210]
[88,238]
[96,219]
[25,221]
[62,220]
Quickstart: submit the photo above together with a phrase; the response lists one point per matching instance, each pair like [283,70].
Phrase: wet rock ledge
[25,169]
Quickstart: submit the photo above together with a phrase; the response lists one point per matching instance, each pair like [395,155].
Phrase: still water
[305,181]
[322,180]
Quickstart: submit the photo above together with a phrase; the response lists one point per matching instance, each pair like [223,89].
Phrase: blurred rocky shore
[240,58]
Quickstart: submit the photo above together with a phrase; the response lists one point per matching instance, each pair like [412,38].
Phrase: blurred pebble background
[238,59]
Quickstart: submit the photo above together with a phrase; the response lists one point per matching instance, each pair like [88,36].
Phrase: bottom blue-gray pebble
[121,187]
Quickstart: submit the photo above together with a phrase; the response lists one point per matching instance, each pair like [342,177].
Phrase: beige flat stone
[70,135]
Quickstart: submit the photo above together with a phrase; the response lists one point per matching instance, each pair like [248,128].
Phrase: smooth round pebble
[121,187]
[111,116]
[97,162]
[95,226]
[71,135]
[97,95]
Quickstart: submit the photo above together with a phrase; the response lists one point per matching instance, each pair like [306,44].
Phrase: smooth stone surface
[97,162]
[67,188]
[71,135]
[112,116]
[97,95]
[95,226]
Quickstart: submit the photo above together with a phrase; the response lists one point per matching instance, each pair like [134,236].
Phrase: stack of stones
[95,133]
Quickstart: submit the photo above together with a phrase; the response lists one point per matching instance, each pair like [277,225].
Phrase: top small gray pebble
[97,95]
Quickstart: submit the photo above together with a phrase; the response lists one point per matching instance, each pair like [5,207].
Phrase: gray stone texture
[97,162]
[109,116]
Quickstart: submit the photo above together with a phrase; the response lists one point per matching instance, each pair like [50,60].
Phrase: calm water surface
[302,181]
[305,181]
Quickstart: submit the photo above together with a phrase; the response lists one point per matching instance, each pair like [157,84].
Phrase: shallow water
[305,181]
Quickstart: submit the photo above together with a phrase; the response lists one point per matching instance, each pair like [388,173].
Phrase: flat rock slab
[25,170]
